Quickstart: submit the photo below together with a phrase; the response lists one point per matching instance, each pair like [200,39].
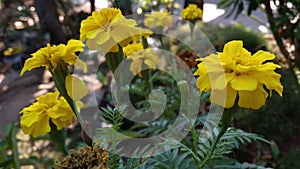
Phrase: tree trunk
[49,20]
[277,38]
[92,6]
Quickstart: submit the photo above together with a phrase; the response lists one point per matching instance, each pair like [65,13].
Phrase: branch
[278,39]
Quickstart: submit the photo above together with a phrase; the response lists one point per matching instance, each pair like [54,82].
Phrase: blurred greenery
[221,34]
[277,121]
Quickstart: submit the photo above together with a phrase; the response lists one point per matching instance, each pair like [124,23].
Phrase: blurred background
[27,25]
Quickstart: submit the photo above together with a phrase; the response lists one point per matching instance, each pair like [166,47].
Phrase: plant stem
[226,119]
[160,37]
[195,146]
[59,76]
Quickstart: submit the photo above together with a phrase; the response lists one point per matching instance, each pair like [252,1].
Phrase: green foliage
[11,144]
[219,35]
[238,6]
[227,163]
[10,147]
[288,13]
[112,116]
[172,159]
[290,160]
[231,140]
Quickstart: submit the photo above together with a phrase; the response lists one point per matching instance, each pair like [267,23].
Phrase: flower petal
[224,98]
[253,99]
[232,48]
[76,88]
[243,83]
[262,56]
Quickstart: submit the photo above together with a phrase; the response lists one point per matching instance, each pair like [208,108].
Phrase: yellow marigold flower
[51,56]
[246,76]
[145,33]
[8,52]
[145,57]
[132,48]
[36,118]
[108,28]
[192,12]
[157,19]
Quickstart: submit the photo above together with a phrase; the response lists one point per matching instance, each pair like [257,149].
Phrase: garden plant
[171,99]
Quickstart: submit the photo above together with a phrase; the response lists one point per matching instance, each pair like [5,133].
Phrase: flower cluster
[140,57]
[132,48]
[36,118]
[192,12]
[52,56]
[109,29]
[157,19]
[85,157]
[240,74]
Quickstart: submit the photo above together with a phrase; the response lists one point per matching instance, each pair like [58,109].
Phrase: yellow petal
[243,83]
[76,88]
[110,46]
[82,65]
[224,98]
[253,99]
[136,66]
[61,114]
[203,83]
[271,80]
[34,62]
[39,128]
[79,105]
[74,46]
[230,96]
[102,37]
[92,44]
[262,56]
[232,48]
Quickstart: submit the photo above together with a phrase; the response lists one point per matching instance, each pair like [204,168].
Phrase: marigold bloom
[132,48]
[36,118]
[108,28]
[8,52]
[192,12]
[147,57]
[240,74]
[157,19]
[51,56]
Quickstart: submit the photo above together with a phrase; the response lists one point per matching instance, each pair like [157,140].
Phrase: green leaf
[239,10]
[12,144]
[252,6]
[275,151]
[3,147]
[59,138]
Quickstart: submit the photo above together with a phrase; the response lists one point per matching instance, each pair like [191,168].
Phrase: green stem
[226,119]
[59,138]
[195,146]
[192,30]
[185,96]
[160,38]
[59,75]
[145,42]
[113,59]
